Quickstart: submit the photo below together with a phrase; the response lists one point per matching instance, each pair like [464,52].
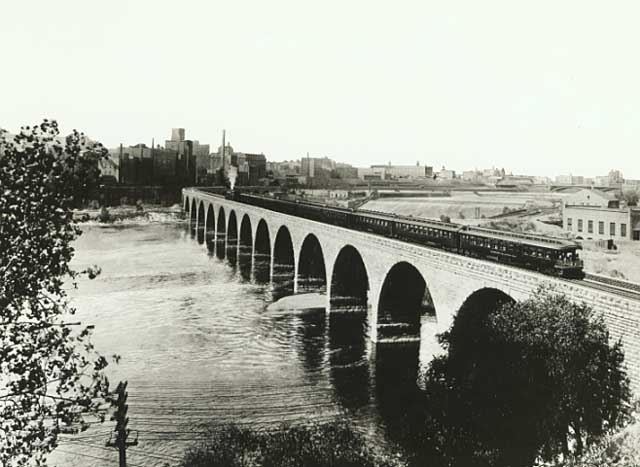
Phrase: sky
[540,87]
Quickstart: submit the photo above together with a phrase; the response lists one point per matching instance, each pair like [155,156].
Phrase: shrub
[534,379]
[105,215]
[325,445]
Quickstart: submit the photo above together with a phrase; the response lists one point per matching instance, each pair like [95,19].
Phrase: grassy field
[464,205]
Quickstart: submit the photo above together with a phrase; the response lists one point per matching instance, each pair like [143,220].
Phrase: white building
[594,215]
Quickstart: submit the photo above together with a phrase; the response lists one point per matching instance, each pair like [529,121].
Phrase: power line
[143,454]
[93,457]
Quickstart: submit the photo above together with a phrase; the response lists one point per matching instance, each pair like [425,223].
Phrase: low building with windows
[598,215]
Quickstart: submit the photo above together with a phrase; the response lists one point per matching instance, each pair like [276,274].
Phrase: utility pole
[120,417]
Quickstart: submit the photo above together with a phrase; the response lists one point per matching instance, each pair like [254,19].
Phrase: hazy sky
[539,87]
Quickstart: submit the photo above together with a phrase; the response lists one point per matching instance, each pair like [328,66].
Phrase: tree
[630,197]
[51,377]
[532,379]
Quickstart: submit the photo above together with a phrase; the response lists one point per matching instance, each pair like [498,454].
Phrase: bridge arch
[283,261]
[186,205]
[486,299]
[312,274]
[349,287]
[246,240]
[221,232]
[404,299]
[210,227]
[200,226]
[262,252]
[232,237]
[471,318]
[245,247]
[192,218]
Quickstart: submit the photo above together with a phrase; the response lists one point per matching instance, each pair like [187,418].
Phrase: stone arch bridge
[397,285]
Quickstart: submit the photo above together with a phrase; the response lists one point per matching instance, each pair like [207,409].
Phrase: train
[548,255]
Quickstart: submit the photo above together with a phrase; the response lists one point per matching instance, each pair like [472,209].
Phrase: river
[203,342]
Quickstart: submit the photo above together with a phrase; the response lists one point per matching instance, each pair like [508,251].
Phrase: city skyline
[461,85]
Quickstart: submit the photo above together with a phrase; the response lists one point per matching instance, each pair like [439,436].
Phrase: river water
[203,342]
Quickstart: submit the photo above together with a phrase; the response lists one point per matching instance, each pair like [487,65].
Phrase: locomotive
[553,256]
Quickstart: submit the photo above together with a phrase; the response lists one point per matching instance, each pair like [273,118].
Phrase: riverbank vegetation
[51,377]
[126,214]
[533,381]
[321,445]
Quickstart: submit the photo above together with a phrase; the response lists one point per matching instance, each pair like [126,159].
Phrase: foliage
[325,445]
[617,449]
[631,197]
[444,218]
[534,379]
[511,226]
[105,215]
[50,374]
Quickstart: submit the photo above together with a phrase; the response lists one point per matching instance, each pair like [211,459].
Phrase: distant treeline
[117,195]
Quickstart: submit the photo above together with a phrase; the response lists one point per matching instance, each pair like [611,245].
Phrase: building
[165,167]
[594,198]
[578,180]
[344,171]
[372,173]
[395,172]
[109,170]
[251,168]
[202,156]
[286,168]
[515,181]
[471,176]
[184,150]
[136,165]
[596,215]
[563,179]
[317,166]
[541,180]
[446,174]
[257,167]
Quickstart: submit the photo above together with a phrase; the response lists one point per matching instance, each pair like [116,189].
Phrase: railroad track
[611,285]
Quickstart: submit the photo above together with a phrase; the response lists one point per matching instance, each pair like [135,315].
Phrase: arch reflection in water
[210,229]
[221,234]
[262,254]
[398,400]
[311,332]
[283,264]
[245,248]
[348,329]
[232,239]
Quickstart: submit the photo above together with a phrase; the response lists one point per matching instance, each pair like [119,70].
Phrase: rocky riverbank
[130,214]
